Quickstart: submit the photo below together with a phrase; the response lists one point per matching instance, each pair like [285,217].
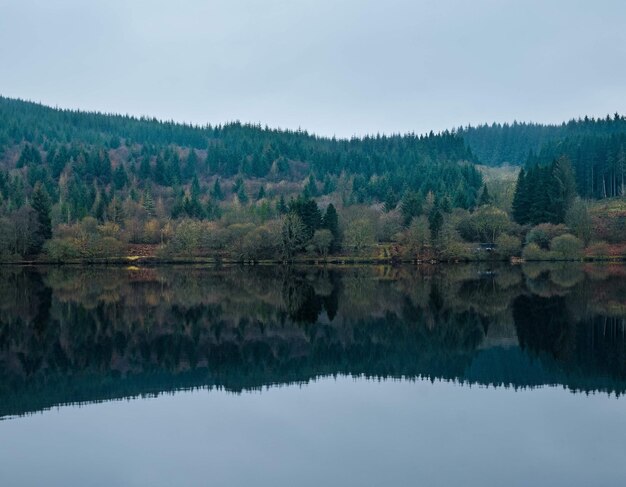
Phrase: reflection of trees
[543,325]
[487,295]
[550,278]
[303,305]
[70,334]
[547,328]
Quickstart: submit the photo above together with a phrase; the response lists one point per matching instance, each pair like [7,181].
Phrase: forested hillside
[496,144]
[142,175]
[599,162]
[170,154]
[83,186]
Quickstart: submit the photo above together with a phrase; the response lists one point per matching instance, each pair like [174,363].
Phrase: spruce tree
[40,202]
[195,188]
[160,175]
[116,211]
[281,206]
[120,178]
[410,206]
[191,165]
[564,191]
[485,197]
[435,222]
[216,192]
[390,202]
[148,202]
[445,204]
[521,206]
[309,213]
[242,196]
[330,221]
[310,190]
[144,168]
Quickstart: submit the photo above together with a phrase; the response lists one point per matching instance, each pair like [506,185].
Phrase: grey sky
[339,67]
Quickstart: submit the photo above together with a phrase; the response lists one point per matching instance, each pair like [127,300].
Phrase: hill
[496,144]
[80,186]
[135,152]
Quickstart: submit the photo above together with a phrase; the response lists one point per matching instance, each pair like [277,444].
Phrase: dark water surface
[461,375]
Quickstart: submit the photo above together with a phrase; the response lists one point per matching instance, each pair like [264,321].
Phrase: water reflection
[72,335]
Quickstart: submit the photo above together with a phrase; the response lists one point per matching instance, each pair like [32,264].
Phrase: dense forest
[496,144]
[81,186]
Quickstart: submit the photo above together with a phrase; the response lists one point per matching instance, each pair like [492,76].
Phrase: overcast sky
[339,67]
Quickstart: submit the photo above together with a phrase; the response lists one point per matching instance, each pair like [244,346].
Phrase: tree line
[95,176]
[497,143]
[77,185]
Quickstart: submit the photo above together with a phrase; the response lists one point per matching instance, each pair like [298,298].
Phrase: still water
[460,375]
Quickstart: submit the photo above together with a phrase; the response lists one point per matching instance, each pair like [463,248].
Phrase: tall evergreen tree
[216,192]
[242,196]
[521,203]
[435,222]
[145,169]
[191,165]
[410,206]
[281,206]
[40,202]
[120,178]
[485,197]
[309,213]
[330,221]
[390,201]
[148,202]
[564,191]
[310,189]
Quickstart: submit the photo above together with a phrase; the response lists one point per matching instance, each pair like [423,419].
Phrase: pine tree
[445,204]
[191,165]
[621,165]
[160,175]
[485,197]
[40,202]
[410,206]
[390,202]
[310,190]
[329,186]
[521,206]
[242,196]
[281,206]
[101,206]
[435,222]
[330,221]
[216,192]
[172,169]
[195,188]
[144,168]
[212,210]
[309,213]
[116,211]
[120,178]
[564,183]
[192,207]
[148,202]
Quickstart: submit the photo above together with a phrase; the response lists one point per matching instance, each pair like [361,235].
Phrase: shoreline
[335,261]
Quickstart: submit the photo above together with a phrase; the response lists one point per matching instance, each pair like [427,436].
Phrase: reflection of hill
[74,335]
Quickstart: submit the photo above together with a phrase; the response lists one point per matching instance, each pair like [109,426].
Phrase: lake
[472,375]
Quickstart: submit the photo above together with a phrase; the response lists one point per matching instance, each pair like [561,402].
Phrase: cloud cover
[333,67]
